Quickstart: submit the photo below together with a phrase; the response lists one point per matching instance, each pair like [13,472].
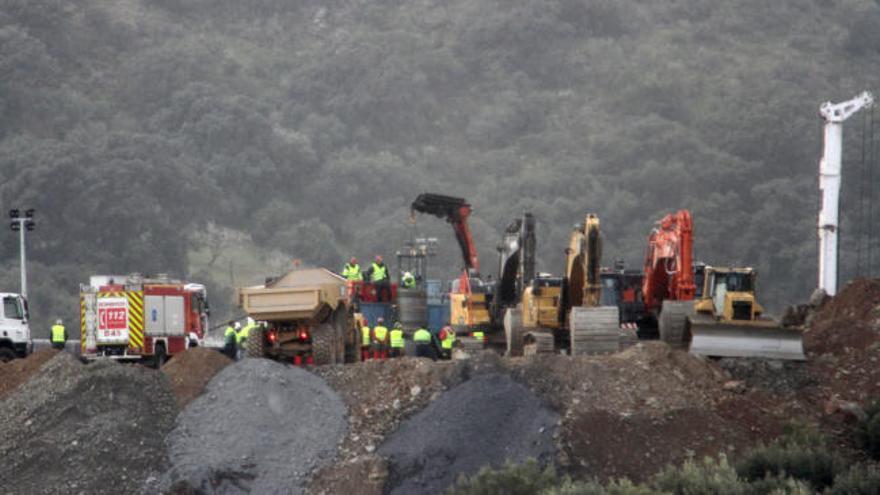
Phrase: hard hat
[237,325]
[380,320]
[407,274]
[250,320]
[397,324]
[58,321]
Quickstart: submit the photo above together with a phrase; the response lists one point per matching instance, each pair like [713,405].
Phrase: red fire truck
[133,317]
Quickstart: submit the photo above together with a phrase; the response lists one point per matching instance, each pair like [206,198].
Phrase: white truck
[15,334]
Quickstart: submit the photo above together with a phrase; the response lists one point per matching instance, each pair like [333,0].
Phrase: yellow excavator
[729,322]
[565,312]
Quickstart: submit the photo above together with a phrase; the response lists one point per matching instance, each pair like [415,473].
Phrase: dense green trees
[139,130]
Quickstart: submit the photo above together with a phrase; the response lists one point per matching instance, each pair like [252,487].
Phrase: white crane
[829,184]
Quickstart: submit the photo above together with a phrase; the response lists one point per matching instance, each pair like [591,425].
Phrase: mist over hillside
[221,139]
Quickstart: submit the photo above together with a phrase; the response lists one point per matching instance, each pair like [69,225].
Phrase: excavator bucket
[756,339]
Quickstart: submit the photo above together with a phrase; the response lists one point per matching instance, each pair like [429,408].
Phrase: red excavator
[468,299]
[668,287]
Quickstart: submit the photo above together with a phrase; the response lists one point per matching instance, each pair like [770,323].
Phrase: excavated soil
[86,429]
[18,371]
[190,371]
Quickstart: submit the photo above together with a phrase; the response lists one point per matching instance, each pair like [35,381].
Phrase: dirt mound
[486,420]
[18,371]
[632,413]
[86,429]
[848,322]
[190,371]
[259,427]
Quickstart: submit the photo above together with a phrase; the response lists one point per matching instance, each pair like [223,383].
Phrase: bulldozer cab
[729,294]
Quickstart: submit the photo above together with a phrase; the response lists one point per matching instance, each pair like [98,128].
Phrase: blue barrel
[438,315]
[372,312]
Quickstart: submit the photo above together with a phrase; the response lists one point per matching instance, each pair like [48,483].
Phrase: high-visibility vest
[365,335]
[352,272]
[58,334]
[409,281]
[422,336]
[380,333]
[478,335]
[243,333]
[380,272]
[396,338]
[230,335]
[447,342]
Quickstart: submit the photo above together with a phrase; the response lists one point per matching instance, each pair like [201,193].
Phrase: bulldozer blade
[756,341]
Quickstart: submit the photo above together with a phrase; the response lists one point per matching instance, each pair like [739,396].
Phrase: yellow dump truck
[307,318]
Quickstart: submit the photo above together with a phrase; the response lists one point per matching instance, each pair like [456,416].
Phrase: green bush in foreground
[801,454]
[798,463]
[868,431]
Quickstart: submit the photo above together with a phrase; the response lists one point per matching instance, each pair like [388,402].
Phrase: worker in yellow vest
[378,274]
[241,340]
[408,280]
[230,340]
[366,340]
[59,335]
[352,271]
[380,339]
[447,340]
[422,339]
[397,342]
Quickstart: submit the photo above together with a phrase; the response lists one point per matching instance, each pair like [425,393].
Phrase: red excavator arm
[455,211]
[669,272]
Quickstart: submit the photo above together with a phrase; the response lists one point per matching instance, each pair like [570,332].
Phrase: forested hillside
[219,139]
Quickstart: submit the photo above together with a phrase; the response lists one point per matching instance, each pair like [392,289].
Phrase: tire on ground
[514,331]
[6,354]
[256,343]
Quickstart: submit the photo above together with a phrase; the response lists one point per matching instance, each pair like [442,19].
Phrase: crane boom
[834,115]
[455,211]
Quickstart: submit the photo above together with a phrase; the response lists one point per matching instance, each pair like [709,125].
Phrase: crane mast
[834,115]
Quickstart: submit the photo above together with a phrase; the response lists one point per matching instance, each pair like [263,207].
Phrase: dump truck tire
[256,343]
[324,342]
[673,322]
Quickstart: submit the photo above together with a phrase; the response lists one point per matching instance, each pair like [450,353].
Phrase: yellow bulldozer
[728,321]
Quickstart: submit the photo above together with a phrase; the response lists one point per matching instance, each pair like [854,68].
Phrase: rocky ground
[205,425]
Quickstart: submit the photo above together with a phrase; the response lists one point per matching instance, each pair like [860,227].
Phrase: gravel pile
[486,420]
[85,429]
[259,427]
[190,371]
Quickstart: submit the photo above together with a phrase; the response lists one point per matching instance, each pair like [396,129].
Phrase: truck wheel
[6,354]
[160,357]
[324,343]
[256,343]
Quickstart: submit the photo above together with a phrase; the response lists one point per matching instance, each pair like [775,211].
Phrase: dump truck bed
[304,294]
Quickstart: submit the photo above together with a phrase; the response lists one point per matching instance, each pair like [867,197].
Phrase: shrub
[801,454]
[513,479]
[868,431]
[859,480]
[709,476]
